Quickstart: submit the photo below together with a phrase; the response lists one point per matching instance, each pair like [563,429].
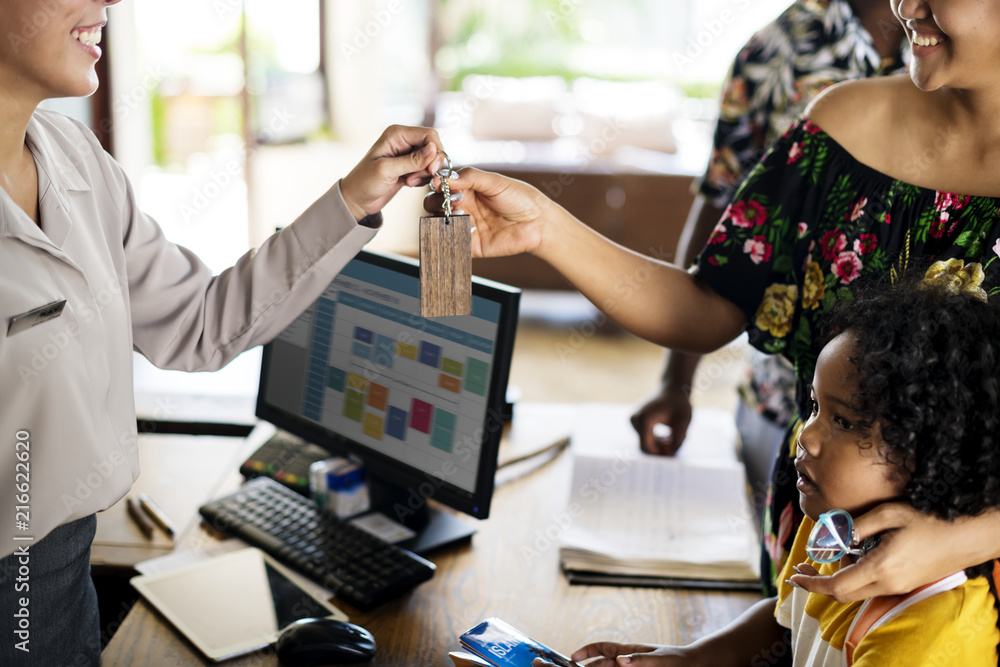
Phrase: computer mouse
[311,642]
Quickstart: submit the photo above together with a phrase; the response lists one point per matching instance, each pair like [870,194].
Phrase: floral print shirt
[803,231]
[812,45]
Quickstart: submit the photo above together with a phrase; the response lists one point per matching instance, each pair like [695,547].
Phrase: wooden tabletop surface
[509,570]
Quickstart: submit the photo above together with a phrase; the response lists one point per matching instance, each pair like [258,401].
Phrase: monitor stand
[435,528]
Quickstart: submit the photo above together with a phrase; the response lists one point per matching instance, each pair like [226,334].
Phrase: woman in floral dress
[810,224]
[880,176]
[810,46]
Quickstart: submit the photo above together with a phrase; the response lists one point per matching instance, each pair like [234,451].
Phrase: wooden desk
[180,472]
[510,570]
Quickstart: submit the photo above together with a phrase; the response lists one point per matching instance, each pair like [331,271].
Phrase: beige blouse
[67,415]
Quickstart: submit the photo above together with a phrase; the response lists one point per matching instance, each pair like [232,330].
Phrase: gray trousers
[48,598]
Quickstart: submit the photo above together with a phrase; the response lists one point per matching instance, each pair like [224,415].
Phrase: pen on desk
[154,511]
[556,446]
[135,511]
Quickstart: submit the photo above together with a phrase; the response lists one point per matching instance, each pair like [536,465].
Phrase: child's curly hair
[928,372]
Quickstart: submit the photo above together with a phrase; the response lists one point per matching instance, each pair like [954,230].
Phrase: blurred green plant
[526,38]
[517,38]
[158,112]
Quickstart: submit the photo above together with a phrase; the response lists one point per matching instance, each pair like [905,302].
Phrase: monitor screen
[417,400]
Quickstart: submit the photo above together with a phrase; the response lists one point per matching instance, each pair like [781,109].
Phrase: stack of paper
[633,514]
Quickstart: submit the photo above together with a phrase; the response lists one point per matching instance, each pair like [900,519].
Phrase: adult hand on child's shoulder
[915,549]
[613,654]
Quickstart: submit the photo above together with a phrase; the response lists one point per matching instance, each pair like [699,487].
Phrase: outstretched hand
[401,156]
[508,215]
[945,547]
[613,654]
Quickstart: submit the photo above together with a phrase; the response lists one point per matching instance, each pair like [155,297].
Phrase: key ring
[444,174]
[832,536]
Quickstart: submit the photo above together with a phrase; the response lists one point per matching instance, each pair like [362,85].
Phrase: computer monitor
[419,401]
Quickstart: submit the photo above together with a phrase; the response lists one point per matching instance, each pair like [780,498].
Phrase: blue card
[502,645]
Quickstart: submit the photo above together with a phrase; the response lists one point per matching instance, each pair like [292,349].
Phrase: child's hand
[613,654]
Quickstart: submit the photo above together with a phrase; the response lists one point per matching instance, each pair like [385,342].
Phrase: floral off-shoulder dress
[808,226]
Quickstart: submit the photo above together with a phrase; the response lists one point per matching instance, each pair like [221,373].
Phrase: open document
[634,515]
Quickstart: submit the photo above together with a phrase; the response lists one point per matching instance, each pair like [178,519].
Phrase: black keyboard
[355,565]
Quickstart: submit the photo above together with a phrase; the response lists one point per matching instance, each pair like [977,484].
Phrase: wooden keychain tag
[445,259]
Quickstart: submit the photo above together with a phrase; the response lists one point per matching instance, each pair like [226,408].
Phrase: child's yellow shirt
[951,622]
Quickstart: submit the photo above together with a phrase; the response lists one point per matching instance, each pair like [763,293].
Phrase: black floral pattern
[812,45]
[808,223]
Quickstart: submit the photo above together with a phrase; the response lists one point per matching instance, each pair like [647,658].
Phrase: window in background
[408,76]
[285,79]
[225,78]
[219,85]
[256,108]
[571,80]
[380,67]
[192,182]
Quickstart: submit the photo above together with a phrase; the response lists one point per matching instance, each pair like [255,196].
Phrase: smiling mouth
[90,36]
[922,40]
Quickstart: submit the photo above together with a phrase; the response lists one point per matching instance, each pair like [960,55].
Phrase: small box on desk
[285,459]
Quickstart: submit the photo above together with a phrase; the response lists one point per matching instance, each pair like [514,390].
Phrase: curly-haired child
[905,406]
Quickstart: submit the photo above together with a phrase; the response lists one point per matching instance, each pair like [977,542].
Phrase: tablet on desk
[232,604]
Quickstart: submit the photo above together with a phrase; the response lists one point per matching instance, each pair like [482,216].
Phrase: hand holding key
[402,156]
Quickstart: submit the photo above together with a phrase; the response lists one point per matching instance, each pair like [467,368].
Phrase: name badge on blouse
[49,311]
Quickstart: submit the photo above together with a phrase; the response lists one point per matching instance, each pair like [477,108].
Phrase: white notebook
[686,517]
